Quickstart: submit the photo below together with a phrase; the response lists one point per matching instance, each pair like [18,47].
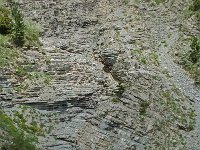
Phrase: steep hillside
[105,76]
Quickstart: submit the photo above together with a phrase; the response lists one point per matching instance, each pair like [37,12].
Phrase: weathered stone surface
[91,49]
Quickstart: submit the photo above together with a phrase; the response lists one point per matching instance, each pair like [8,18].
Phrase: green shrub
[13,25]
[115,100]
[159,1]
[119,90]
[21,142]
[5,20]
[125,2]
[20,71]
[198,15]
[7,55]
[194,54]
[32,34]
[195,5]
[13,137]
[18,25]
[4,39]
[143,107]
[191,59]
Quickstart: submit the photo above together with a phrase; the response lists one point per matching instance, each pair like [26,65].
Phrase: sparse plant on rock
[120,90]
[125,2]
[143,107]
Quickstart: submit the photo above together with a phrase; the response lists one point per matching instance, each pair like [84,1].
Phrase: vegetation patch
[14,34]
[158,1]
[32,33]
[195,7]
[115,100]
[8,55]
[126,2]
[14,137]
[119,90]
[143,107]
[5,21]
[18,25]
[191,59]
[13,25]
[147,58]
[171,116]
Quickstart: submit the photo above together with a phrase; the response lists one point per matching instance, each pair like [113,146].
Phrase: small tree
[18,24]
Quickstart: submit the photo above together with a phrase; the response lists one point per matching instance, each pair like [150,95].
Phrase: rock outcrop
[105,89]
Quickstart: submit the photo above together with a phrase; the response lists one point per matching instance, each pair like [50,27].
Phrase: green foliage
[125,2]
[18,30]
[11,22]
[20,71]
[115,100]
[194,54]
[5,20]
[198,16]
[32,33]
[40,75]
[4,39]
[120,90]
[143,107]
[146,58]
[13,30]
[191,59]
[32,127]
[187,124]
[195,5]
[159,1]
[154,58]
[21,142]
[8,55]
[14,138]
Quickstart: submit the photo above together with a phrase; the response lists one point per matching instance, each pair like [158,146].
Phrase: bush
[32,34]
[4,39]
[194,54]
[21,142]
[14,138]
[5,21]
[18,25]
[12,24]
[191,59]
[7,56]
[119,90]
[198,16]
[195,5]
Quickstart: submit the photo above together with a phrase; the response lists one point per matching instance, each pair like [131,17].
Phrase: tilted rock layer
[107,89]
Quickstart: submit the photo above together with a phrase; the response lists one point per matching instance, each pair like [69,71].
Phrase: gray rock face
[108,59]
[94,48]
